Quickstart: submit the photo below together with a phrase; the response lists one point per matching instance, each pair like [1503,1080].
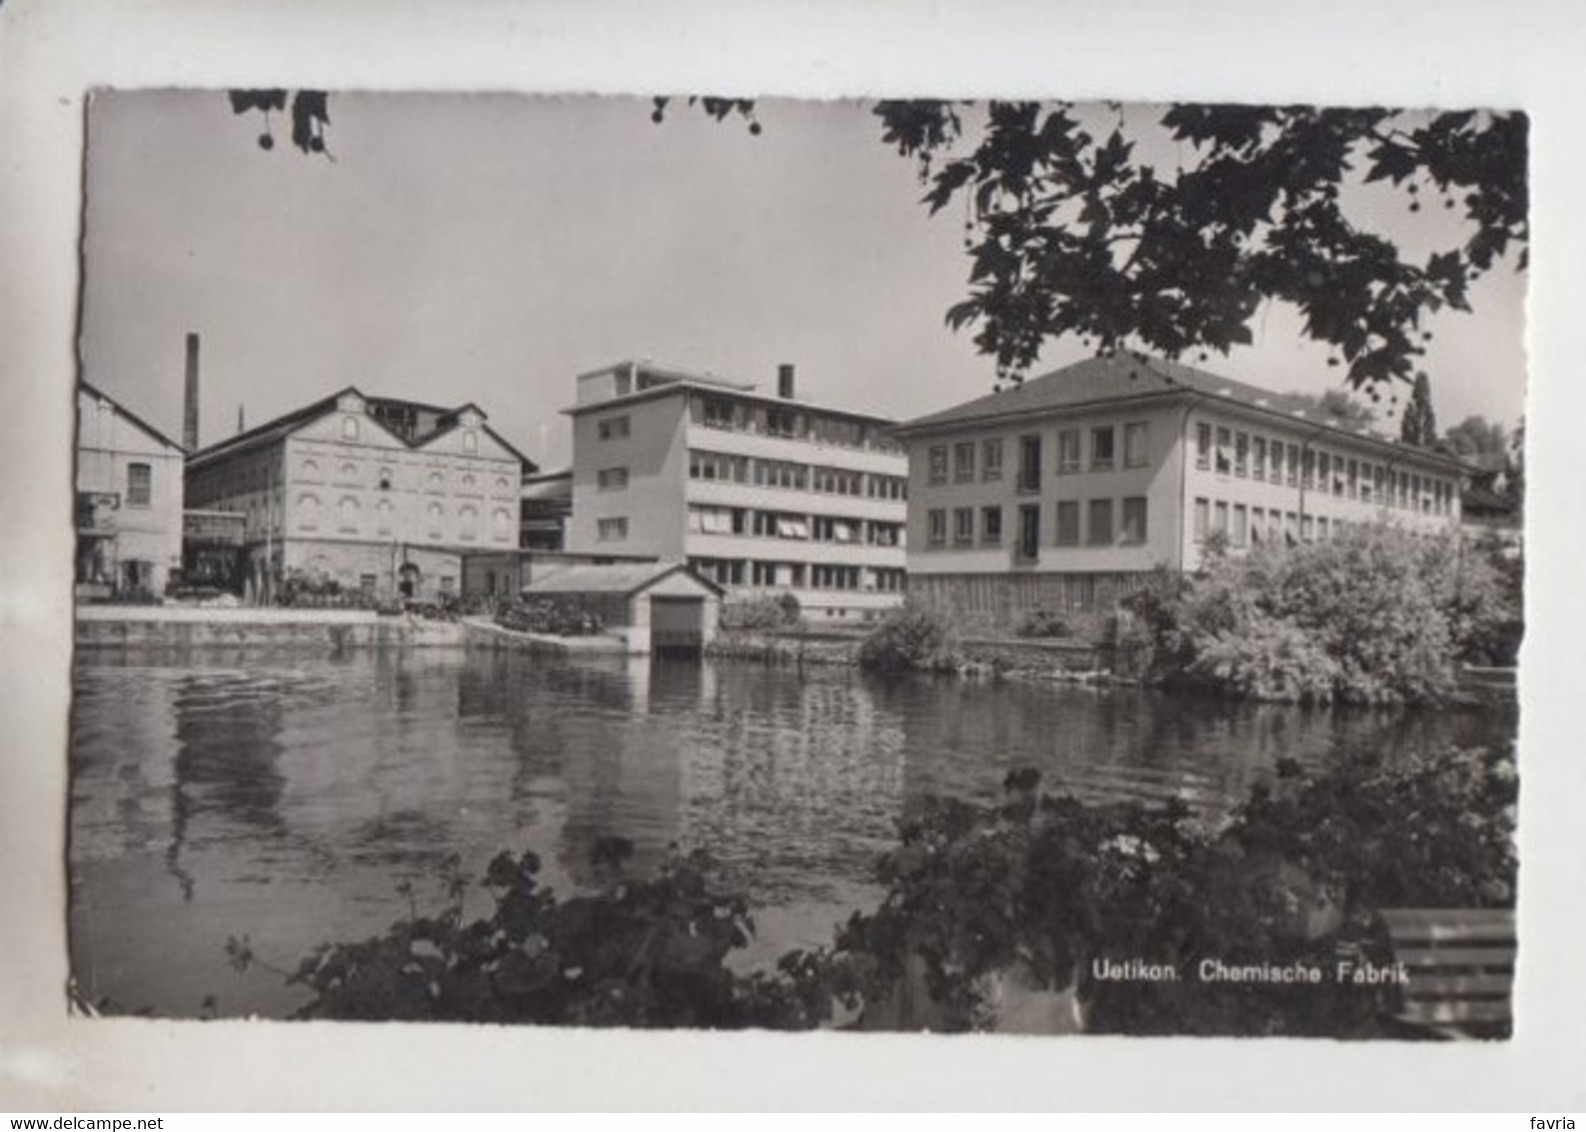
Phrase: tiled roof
[1098,381]
[626,578]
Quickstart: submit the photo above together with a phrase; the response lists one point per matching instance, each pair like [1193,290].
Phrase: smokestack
[190,405]
[784,381]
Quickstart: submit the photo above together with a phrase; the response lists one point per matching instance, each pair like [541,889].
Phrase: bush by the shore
[1374,616]
[909,638]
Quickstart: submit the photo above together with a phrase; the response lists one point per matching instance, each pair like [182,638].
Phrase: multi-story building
[759,493]
[376,493]
[129,500]
[1059,493]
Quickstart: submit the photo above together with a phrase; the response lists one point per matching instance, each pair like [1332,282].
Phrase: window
[1258,526]
[612,530]
[1277,461]
[1241,454]
[963,526]
[448,583]
[437,515]
[385,479]
[1308,468]
[1378,477]
[1101,444]
[1133,521]
[1202,519]
[1068,523]
[348,509]
[1224,458]
[1030,464]
[1100,522]
[991,526]
[991,459]
[1294,465]
[938,463]
[366,582]
[1220,518]
[1029,531]
[937,533]
[613,428]
[1321,529]
[1291,526]
[781,422]
[1258,458]
[1134,446]
[140,484]
[1067,451]
[1307,529]
[1203,446]
[1241,533]
[1354,479]
[964,461]
[349,428]
[383,517]
[470,442]
[612,479]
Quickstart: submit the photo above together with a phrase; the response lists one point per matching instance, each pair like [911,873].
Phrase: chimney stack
[190,404]
[784,381]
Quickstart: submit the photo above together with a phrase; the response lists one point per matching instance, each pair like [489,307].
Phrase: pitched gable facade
[380,495]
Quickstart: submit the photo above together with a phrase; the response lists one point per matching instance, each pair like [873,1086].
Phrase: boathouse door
[677,624]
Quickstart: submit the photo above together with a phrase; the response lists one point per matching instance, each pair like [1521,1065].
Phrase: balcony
[97,512]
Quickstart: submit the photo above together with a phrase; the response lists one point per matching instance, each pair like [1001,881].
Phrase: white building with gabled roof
[381,494]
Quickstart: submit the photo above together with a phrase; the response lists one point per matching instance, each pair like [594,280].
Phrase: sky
[459,248]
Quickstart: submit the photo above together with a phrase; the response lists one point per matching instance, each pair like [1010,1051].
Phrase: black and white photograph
[1031,567]
[821,556]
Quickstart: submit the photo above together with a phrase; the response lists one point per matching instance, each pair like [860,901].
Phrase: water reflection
[287,799]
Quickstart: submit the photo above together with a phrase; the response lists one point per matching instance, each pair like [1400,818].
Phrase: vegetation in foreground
[989,910]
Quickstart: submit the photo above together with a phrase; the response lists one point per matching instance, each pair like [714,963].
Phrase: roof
[287,423]
[676,380]
[1100,381]
[627,579]
[129,414]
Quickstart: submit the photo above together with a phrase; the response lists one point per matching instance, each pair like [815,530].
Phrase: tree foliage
[1477,436]
[1418,426]
[1073,231]
[1371,617]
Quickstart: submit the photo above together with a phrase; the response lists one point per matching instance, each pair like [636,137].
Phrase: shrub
[1376,616]
[911,637]
[761,613]
[1040,623]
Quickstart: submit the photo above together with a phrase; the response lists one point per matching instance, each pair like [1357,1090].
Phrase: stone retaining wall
[156,627]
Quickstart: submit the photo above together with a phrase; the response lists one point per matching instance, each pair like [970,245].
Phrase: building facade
[761,494]
[1061,493]
[129,501]
[380,495]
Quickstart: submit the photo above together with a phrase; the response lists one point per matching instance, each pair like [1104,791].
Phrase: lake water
[288,798]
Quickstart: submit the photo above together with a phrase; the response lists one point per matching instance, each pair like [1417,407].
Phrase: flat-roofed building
[761,494]
[1058,494]
[129,500]
[379,494]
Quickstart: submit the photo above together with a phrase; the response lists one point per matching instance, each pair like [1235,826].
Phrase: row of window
[788,423]
[1231,452]
[436,480]
[782,524]
[704,465]
[402,426]
[1072,455]
[310,515]
[1251,526]
[1106,522]
[799,575]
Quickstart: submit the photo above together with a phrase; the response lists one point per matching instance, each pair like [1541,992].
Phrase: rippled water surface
[289,798]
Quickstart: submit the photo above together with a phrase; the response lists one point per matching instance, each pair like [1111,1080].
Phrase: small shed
[655,606]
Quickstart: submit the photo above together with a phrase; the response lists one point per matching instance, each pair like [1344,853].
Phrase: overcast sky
[463,248]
